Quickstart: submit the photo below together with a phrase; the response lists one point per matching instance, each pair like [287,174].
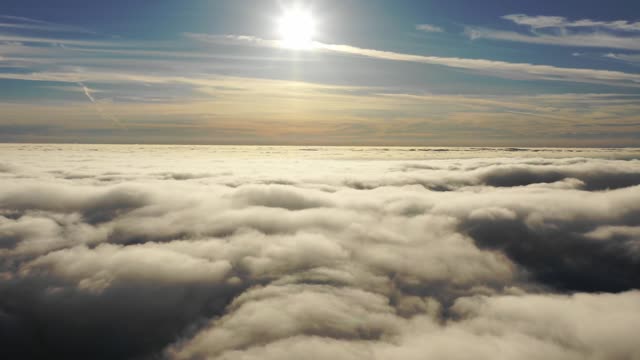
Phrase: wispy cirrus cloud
[524,71]
[594,40]
[559,31]
[541,22]
[25,23]
[232,39]
[630,58]
[198,89]
[521,71]
[286,112]
[429,28]
[503,69]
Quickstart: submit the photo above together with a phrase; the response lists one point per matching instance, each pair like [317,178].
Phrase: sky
[401,73]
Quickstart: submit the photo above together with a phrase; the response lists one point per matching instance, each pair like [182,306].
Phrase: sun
[297,29]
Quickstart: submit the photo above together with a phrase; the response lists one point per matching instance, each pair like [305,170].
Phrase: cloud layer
[285,253]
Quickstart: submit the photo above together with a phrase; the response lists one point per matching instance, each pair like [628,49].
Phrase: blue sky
[496,73]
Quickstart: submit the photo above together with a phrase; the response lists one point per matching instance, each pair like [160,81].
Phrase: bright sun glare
[297,28]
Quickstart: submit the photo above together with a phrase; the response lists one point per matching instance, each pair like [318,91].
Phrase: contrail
[103,114]
[87,92]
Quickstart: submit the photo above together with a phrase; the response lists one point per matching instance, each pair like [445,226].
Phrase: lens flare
[297,28]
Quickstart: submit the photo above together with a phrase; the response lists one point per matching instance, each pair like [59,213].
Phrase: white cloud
[429,28]
[541,22]
[631,58]
[229,253]
[597,40]
[487,67]
[558,31]
[500,68]
[24,23]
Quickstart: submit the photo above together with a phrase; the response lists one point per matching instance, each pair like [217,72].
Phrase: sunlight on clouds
[226,87]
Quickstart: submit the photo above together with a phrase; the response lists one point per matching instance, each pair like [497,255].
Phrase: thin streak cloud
[103,113]
[500,68]
[559,31]
[429,28]
[590,40]
[541,22]
[521,71]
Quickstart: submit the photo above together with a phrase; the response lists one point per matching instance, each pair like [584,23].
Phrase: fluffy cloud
[501,253]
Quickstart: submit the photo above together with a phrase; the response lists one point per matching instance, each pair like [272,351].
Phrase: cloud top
[253,256]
